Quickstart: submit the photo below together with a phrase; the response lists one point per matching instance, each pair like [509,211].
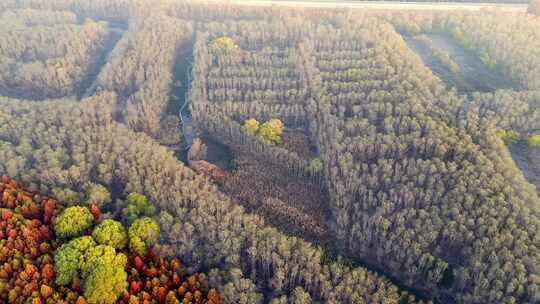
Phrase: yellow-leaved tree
[223,44]
[251,126]
[534,140]
[509,136]
[271,132]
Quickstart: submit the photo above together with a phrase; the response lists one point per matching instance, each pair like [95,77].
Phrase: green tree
[100,267]
[300,296]
[101,254]
[69,258]
[315,165]
[112,233]
[73,221]
[98,194]
[105,278]
[143,233]
[66,195]
[105,284]
[137,199]
[137,205]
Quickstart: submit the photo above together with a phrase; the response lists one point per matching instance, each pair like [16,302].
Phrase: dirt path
[521,157]
[116,34]
[385,5]
[472,76]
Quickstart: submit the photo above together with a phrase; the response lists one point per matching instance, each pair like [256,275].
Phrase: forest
[189,152]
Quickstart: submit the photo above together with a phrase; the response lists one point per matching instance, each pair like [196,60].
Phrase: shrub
[73,221]
[112,233]
[143,233]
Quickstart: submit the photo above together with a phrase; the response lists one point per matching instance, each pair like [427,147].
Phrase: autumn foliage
[28,244]
[152,277]
[30,250]
[270,132]
[224,43]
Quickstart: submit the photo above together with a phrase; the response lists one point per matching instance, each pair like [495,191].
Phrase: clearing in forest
[116,31]
[245,78]
[456,66]
[294,204]
[528,160]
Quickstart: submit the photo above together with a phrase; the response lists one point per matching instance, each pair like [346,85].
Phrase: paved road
[378,4]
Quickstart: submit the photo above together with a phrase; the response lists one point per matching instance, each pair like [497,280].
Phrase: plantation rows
[415,181]
[404,183]
[395,162]
[258,80]
[49,58]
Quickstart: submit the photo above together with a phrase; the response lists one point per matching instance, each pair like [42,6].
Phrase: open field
[384,5]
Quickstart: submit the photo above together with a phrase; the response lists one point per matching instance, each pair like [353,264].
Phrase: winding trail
[186,120]
[116,34]
[187,124]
